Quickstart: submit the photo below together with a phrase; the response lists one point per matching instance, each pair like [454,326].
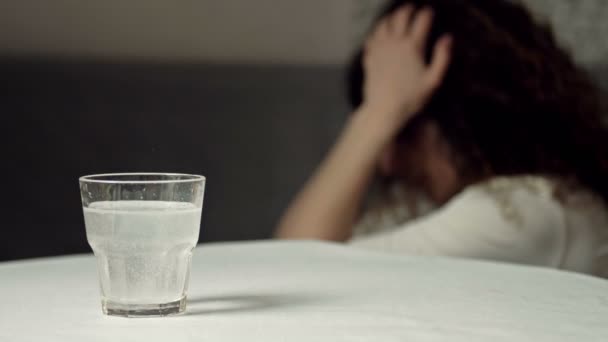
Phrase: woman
[471,104]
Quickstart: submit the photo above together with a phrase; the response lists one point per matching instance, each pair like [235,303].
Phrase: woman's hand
[398,81]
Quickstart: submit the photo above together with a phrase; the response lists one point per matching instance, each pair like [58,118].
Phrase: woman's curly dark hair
[513,102]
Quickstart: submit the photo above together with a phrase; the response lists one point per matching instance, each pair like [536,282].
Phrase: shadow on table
[241,303]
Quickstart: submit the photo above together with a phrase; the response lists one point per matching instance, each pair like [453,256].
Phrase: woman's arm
[328,205]
[398,84]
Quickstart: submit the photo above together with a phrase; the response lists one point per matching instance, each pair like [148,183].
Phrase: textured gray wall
[581,25]
[261,31]
[287,31]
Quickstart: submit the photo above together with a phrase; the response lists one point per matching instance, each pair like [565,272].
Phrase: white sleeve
[521,225]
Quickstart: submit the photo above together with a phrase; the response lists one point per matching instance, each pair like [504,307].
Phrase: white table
[305,291]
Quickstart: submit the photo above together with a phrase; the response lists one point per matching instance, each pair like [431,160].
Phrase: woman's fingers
[398,43]
[400,20]
[382,31]
[404,23]
[442,54]
[421,26]
[395,25]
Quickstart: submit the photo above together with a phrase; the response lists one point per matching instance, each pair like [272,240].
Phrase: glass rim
[191,178]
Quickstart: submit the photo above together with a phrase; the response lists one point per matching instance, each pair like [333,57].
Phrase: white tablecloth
[305,291]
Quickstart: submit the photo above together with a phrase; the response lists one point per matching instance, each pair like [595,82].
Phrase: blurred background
[248,93]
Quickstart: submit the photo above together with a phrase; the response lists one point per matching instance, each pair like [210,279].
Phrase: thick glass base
[143,310]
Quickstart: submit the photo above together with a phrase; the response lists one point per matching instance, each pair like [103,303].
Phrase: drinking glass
[142,228]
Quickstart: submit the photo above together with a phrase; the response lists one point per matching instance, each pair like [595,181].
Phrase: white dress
[509,219]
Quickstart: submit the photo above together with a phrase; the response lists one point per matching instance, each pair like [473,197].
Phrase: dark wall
[256,132]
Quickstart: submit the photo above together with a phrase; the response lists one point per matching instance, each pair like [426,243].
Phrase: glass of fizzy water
[142,228]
